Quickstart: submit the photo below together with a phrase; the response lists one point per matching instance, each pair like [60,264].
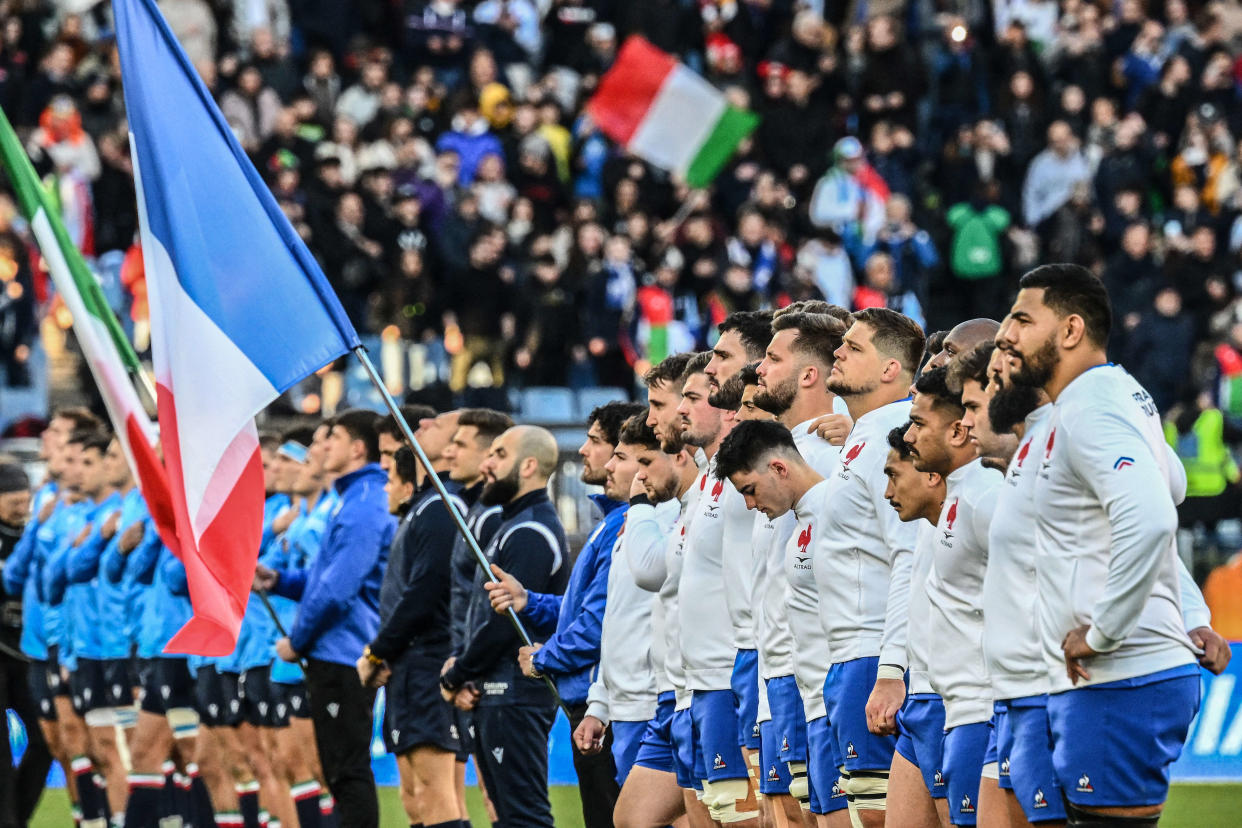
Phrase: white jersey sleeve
[647,557]
[1116,465]
[1106,526]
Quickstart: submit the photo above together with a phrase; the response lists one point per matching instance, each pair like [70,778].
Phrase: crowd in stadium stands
[437,158]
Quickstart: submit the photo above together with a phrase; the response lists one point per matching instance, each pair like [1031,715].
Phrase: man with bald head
[512,713]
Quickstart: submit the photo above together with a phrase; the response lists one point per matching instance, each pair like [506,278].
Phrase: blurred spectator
[1053,174]
[975,254]
[850,197]
[438,159]
[18,324]
[1197,432]
[881,290]
[251,108]
[1132,278]
[479,297]
[910,248]
[1160,346]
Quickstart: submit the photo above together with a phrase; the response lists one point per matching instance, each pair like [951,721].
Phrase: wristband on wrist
[890,671]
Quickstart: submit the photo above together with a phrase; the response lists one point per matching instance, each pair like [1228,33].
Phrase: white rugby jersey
[657,568]
[626,687]
[862,558]
[919,641]
[743,572]
[1105,532]
[771,542]
[708,638]
[772,636]
[1011,639]
[956,666]
[811,656]
[1011,643]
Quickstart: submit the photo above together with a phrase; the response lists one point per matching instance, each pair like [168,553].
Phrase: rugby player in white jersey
[741,389]
[916,789]
[861,560]
[662,783]
[792,379]
[919,751]
[956,669]
[622,698]
[969,372]
[762,460]
[1012,644]
[1108,602]
[743,337]
[719,527]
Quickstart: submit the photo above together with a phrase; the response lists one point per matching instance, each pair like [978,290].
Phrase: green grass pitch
[1190,806]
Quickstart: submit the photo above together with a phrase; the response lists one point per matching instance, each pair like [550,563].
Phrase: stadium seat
[548,406]
[591,398]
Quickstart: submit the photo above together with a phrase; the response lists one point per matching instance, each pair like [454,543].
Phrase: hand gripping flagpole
[458,518]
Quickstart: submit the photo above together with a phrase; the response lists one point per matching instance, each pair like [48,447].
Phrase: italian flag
[667,115]
[104,345]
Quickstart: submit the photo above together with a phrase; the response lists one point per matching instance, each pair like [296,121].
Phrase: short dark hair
[935,344]
[935,384]
[818,334]
[82,419]
[636,432]
[92,439]
[748,375]
[816,306]
[896,336]
[748,443]
[489,422]
[269,440]
[405,464]
[610,416]
[754,329]
[302,435]
[363,425]
[389,426]
[697,364]
[1072,289]
[668,370]
[971,364]
[897,441]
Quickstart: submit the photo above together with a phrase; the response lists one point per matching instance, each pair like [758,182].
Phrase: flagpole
[456,515]
[145,382]
[280,628]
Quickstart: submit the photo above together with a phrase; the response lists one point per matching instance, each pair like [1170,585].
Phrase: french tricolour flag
[239,312]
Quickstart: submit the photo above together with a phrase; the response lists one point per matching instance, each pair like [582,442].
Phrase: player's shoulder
[1101,392]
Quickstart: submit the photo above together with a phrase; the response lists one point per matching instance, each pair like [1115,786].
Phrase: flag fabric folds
[664,113]
[105,347]
[240,311]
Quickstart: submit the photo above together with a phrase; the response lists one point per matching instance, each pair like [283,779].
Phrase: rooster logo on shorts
[719,763]
[1040,802]
[1084,784]
[773,776]
[968,807]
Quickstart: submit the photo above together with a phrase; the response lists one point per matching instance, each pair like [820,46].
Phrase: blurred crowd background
[495,248]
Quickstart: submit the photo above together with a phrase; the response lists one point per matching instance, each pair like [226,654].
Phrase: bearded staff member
[512,713]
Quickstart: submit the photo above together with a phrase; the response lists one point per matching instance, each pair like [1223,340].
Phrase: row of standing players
[251,739]
[826,661]
[960,602]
